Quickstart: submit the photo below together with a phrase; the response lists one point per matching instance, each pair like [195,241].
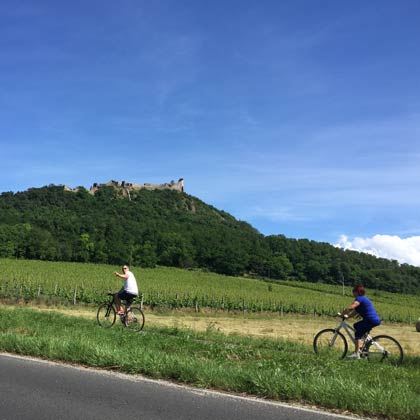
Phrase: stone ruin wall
[127,187]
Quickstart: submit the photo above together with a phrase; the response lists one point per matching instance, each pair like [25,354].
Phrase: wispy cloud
[374,141]
[277,214]
[337,175]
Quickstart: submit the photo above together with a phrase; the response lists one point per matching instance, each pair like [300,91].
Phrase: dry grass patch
[290,327]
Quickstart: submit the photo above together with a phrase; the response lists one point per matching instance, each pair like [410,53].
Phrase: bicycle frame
[349,330]
[350,333]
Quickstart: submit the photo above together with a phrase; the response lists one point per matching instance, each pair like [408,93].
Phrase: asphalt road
[39,390]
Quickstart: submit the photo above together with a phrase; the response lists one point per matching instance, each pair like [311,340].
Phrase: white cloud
[404,250]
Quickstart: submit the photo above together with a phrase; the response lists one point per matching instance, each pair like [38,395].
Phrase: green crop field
[176,288]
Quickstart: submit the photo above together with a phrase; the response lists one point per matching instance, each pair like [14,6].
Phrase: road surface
[39,390]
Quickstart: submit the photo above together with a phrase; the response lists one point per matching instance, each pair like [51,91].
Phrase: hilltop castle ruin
[127,187]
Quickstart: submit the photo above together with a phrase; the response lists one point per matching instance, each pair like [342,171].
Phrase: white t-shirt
[130,284]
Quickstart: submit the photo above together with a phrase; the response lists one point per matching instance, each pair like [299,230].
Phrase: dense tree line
[175,229]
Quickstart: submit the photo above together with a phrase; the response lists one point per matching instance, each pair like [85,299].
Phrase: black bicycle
[132,318]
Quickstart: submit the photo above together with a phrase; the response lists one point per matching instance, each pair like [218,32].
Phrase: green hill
[171,228]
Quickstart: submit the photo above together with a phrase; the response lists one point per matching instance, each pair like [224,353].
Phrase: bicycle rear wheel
[330,342]
[385,349]
[106,315]
[134,319]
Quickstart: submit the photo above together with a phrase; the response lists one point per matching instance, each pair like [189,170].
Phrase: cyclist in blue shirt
[363,307]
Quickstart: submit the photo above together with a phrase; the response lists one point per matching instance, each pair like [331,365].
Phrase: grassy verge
[290,327]
[263,367]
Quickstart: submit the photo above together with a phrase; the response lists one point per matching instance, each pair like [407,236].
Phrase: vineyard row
[79,294]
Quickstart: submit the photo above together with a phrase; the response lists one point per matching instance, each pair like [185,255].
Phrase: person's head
[125,268]
[358,290]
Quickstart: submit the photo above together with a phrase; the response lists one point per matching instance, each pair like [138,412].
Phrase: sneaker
[355,355]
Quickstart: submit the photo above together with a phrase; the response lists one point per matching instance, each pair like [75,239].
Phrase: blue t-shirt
[366,309]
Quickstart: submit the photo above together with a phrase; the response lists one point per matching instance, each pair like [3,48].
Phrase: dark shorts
[364,326]
[128,297]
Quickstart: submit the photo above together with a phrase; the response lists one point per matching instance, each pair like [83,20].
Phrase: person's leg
[358,327]
[129,298]
[361,328]
[117,301]
[358,346]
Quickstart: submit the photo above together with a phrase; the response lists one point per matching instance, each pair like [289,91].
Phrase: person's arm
[351,310]
[123,276]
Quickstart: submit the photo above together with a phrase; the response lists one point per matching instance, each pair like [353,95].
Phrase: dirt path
[291,327]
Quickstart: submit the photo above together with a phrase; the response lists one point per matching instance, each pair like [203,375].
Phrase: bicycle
[382,348]
[133,317]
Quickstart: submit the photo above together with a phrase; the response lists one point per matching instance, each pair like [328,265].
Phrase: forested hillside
[175,229]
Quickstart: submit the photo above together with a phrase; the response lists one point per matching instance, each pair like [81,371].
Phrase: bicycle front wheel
[385,349]
[330,342]
[106,315]
[134,320]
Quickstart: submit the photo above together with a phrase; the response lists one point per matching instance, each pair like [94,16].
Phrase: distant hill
[151,227]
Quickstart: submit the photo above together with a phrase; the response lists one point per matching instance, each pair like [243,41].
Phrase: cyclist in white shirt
[129,291]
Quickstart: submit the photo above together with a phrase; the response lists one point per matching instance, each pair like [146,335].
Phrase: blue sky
[300,117]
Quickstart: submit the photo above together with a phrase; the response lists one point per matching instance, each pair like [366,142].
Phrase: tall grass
[274,369]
